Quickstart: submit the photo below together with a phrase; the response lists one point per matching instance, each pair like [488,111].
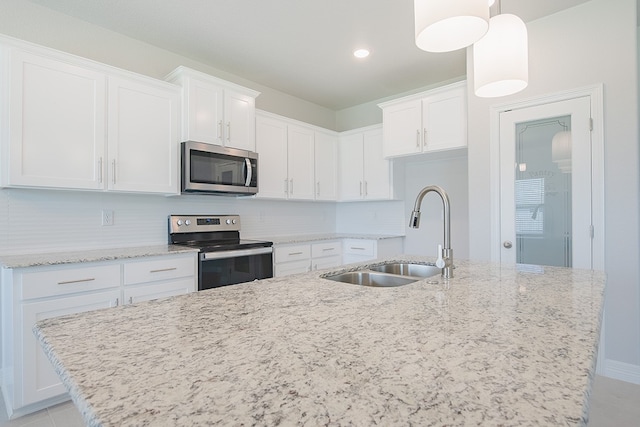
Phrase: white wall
[449,172]
[591,43]
[382,217]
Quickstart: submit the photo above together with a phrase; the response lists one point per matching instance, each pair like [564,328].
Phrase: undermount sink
[407,269]
[368,278]
[387,275]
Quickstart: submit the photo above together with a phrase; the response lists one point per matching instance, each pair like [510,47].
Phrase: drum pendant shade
[500,58]
[447,25]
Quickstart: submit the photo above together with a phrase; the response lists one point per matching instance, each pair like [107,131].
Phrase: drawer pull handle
[163,269]
[329,249]
[295,253]
[359,249]
[67,282]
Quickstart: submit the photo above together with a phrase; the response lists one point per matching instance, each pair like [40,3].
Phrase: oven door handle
[249,174]
[233,254]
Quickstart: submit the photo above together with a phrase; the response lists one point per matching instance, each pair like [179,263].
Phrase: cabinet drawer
[293,267]
[158,269]
[291,253]
[327,262]
[326,249]
[62,281]
[146,292]
[360,247]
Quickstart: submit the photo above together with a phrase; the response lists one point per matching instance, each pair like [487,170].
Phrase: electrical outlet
[107,217]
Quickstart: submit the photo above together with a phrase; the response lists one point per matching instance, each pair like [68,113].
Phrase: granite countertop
[93,255]
[303,238]
[491,346]
[107,254]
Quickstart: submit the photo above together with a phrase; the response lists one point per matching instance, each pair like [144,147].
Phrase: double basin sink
[387,275]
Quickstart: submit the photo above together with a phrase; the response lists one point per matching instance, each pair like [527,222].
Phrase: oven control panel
[203,223]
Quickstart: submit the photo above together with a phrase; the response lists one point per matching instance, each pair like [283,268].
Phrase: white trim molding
[621,371]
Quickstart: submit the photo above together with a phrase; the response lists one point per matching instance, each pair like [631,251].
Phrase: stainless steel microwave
[208,168]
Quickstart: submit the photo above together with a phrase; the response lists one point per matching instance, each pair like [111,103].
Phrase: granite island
[493,345]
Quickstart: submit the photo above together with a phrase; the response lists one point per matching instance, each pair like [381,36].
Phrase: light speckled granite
[303,238]
[492,346]
[54,258]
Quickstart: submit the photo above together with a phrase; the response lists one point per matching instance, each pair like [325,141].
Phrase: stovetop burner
[210,233]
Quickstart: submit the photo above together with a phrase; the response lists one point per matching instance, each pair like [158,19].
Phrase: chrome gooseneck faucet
[445,256]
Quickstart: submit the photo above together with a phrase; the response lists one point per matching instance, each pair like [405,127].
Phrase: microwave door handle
[247,163]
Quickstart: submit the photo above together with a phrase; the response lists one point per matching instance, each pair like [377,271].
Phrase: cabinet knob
[507,244]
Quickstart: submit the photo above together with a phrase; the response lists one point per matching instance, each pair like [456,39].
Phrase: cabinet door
[445,120]
[358,250]
[57,124]
[327,262]
[39,380]
[300,143]
[147,292]
[377,177]
[402,128]
[203,112]
[326,166]
[294,267]
[239,118]
[271,145]
[351,172]
[143,137]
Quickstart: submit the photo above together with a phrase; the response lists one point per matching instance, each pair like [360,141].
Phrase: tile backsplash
[34,220]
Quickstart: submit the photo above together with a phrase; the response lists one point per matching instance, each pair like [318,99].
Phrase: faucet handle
[440,262]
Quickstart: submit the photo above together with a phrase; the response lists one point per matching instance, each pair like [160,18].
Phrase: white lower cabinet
[158,278]
[326,254]
[304,257]
[29,382]
[360,250]
[291,259]
[36,380]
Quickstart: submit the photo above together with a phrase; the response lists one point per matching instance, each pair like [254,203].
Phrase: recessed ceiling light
[361,53]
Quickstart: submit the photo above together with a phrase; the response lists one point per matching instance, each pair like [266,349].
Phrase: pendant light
[501,58]
[447,25]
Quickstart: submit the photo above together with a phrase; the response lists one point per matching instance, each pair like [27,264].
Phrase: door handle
[247,163]
[507,244]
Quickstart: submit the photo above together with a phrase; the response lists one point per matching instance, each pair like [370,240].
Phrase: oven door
[232,267]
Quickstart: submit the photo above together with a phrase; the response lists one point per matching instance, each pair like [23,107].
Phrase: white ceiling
[300,47]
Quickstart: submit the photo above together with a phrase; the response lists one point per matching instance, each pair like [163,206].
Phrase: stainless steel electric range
[224,258]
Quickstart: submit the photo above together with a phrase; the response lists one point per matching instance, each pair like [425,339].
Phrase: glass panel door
[545,185]
[543,192]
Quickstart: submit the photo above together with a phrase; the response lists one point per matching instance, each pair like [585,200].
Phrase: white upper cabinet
[286,159]
[216,111]
[364,173]
[271,145]
[57,123]
[300,162]
[142,136]
[326,166]
[76,124]
[430,121]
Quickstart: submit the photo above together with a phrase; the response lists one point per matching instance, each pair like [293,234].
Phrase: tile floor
[613,403]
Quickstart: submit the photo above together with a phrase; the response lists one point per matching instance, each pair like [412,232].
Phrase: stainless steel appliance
[225,258]
[208,168]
